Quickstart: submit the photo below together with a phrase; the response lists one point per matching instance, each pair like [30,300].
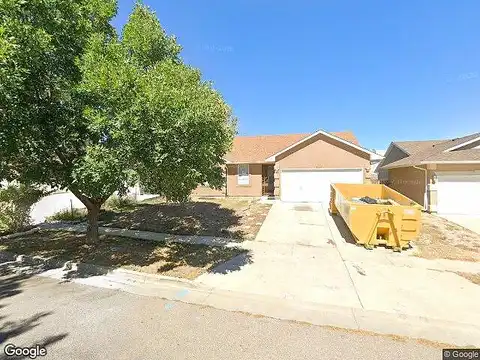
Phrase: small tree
[81,108]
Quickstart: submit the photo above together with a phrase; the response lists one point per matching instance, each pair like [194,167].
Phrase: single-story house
[441,175]
[376,159]
[292,167]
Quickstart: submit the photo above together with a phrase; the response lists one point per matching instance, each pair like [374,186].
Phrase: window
[243,175]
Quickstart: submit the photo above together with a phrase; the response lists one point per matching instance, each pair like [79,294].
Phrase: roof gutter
[452,162]
[387,167]
[249,162]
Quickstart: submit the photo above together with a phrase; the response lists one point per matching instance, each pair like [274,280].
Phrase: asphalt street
[73,321]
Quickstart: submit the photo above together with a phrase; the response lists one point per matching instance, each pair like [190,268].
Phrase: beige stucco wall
[323,152]
[320,152]
[409,181]
[394,154]
[254,188]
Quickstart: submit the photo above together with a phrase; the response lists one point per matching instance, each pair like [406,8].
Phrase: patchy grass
[120,203]
[442,239]
[224,217]
[171,259]
[474,278]
[69,215]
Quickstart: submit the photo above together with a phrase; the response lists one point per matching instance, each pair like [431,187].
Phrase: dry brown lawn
[238,219]
[474,278]
[443,239]
[171,259]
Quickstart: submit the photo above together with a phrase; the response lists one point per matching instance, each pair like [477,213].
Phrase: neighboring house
[441,175]
[374,161]
[292,167]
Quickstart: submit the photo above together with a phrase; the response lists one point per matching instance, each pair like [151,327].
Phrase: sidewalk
[335,284]
[348,252]
[448,332]
[143,235]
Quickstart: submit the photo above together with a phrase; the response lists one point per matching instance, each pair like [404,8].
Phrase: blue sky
[387,70]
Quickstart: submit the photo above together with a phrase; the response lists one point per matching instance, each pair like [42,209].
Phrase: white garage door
[458,194]
[314,185]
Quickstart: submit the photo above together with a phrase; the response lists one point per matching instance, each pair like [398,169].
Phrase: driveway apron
[293,257]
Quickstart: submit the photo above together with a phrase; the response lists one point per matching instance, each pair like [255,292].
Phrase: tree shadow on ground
[167,258]
[10,286]
[189,218]
[11,329]
[44,343]
[234,264]
[11,276]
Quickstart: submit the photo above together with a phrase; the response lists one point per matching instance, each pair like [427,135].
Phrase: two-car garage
[313,185]
[458,193]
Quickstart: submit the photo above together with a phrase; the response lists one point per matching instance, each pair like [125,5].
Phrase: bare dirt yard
[442,239]
[239,219]
[474,278]
[170,259]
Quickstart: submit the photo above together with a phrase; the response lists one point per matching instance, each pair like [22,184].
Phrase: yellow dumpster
[376,214]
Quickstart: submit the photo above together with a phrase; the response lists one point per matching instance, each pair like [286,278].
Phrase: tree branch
[84,199]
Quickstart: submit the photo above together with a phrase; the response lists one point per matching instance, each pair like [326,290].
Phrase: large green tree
[85,109]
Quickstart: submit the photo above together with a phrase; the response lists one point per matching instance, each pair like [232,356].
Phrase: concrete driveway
[293,257]
[302,253]
[301,224]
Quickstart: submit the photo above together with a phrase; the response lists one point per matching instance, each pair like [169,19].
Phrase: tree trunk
[93,206]
[92,227]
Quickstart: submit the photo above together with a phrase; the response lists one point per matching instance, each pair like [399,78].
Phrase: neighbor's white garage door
[314,185]
[458,194]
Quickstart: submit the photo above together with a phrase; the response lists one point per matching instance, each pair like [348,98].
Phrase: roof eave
[387,153]
[388,167]
[462,144]
[325,133]
[400,147]
[248,162]
[452,162]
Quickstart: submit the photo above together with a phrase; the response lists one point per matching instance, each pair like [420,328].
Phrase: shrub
[116,202]
[16,201]
[68,214]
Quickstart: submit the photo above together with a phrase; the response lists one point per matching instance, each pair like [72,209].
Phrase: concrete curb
[188,291]
[55,268]
[459,334]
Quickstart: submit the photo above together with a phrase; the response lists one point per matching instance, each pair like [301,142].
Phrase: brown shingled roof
[413,147]
[251,149]
[457,155]
[434,150]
